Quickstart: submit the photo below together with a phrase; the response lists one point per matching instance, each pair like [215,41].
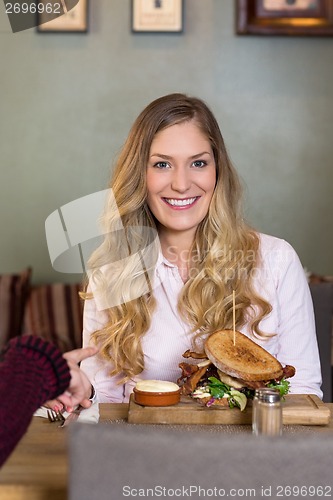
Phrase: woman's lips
[180,203]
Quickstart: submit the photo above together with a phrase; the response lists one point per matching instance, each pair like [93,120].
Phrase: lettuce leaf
[282,386]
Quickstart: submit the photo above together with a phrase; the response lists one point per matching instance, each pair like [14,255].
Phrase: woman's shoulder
[279,258]
[276,248]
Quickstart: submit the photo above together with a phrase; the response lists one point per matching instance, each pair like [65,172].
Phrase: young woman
[175,249]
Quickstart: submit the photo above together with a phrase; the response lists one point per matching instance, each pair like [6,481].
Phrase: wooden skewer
[234,314]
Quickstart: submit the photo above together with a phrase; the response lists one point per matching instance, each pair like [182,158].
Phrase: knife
[73,416]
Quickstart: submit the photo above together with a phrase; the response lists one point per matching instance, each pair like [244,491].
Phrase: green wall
[68,101]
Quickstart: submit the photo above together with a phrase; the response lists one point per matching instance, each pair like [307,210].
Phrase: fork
[55,416]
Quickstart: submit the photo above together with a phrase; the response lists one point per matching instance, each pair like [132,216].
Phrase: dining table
[38,468]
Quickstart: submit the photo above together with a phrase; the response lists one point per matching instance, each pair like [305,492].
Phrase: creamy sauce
[156,386]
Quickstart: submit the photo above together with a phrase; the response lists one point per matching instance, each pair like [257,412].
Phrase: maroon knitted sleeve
[32,371]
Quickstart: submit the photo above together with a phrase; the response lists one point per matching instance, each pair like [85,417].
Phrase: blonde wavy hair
[224,253]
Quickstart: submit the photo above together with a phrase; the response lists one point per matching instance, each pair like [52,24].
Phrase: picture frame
[284,17]
[65,16]
[157,16]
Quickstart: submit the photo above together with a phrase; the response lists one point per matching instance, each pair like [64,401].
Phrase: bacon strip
[187,370]
[288,371]
[190,381]
[194,355]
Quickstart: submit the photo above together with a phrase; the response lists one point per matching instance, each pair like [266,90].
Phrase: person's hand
[79,389]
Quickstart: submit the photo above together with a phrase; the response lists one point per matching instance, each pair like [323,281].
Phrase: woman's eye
[161,164]
[199,163]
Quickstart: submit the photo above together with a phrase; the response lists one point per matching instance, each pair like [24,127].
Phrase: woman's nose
[181,180]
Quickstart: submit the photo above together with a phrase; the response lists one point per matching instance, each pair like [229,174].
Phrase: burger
[230,369]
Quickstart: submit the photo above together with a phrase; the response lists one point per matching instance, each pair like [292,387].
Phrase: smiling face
[181,177]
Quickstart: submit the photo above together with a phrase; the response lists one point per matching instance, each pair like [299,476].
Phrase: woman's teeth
[180,203]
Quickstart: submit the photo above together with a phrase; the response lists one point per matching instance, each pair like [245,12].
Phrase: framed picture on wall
[62,16]
[157,16]
[285,17]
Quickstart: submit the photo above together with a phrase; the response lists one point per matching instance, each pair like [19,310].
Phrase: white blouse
[280,280]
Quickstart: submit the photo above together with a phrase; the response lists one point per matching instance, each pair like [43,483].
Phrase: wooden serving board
[302,409]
